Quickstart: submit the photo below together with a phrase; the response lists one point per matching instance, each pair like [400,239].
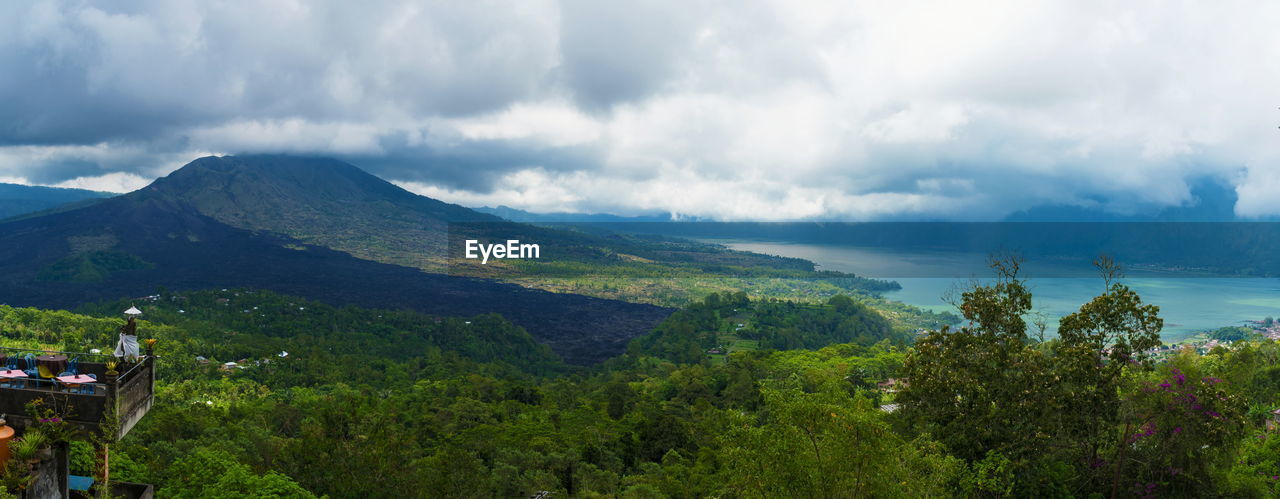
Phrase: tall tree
[981,387]
[1108,336]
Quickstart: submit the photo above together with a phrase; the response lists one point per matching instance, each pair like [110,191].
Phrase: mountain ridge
[19,200]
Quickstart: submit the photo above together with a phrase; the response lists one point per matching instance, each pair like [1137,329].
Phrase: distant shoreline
[1191,303]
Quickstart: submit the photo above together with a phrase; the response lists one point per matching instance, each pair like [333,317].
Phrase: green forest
[730,397]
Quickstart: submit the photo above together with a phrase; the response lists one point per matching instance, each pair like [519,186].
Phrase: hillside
[245,323]
[18,200]
[711,330]
[462,407]
[317,201]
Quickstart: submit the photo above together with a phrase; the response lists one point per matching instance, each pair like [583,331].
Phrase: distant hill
[18,199]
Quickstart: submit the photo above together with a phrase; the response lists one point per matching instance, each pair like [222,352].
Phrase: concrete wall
[51,476]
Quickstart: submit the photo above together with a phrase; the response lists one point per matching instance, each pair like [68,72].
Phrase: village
[1225,337]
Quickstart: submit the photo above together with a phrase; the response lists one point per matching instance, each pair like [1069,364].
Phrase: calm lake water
[1187,304]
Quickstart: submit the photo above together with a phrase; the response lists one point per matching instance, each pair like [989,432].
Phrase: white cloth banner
[128,346]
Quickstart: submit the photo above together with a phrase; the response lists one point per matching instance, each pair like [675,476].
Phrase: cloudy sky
[721,109]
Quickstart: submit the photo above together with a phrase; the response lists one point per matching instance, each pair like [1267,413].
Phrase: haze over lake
[1188,303]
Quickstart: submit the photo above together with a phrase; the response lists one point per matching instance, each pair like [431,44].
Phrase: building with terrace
[49,398]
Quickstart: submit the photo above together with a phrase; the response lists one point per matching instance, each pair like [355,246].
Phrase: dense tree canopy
[798,403]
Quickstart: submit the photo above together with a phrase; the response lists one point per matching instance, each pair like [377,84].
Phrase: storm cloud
[730,110]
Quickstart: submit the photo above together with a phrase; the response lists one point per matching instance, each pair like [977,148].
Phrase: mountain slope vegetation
[687,335]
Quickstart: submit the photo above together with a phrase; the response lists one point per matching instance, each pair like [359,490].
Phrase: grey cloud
[825,110]
[470,165]
[139,69]
[615,52]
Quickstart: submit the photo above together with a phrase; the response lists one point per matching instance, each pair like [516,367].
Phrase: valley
[639,250]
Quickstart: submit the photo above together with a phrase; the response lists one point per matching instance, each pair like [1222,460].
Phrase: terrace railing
[128,396]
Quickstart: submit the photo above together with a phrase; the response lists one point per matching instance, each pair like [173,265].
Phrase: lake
[1188,303]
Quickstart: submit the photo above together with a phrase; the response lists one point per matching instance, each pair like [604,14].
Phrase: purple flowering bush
[1176,428]
[51,418]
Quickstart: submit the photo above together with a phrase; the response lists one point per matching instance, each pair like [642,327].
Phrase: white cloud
[921,125]
[1259,189]
[55,165]
[682,193]
[531,189]
[112,182]
[292,135]
[555,124]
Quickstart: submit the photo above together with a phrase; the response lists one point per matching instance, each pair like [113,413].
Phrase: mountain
[18,200]
[318,201]
[330,203]
[292,225]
